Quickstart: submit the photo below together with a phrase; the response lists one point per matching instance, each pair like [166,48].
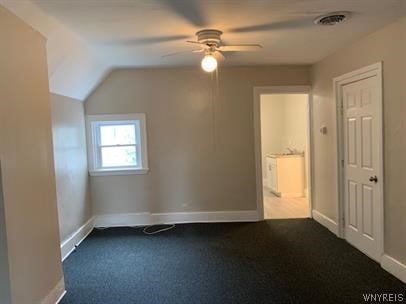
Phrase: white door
[362,120]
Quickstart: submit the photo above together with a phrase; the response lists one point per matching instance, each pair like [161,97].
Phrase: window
[117,144]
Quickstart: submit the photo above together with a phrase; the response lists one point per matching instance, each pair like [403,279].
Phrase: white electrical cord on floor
[157,231]
[145,229]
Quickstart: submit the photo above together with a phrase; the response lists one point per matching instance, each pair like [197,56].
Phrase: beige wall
[283,124]
[71,172]
[387,45]
[200,140]
[27,163]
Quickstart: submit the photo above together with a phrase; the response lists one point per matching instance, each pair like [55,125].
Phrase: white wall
[27,163]
[71,171]
[272,124]
[283,124]
[389,46]
[200,140]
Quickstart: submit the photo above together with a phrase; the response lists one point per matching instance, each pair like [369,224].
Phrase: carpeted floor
[275,261]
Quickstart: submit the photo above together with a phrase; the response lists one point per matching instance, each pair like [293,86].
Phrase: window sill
[119,172]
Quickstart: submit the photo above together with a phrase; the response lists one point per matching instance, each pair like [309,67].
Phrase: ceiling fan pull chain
[213,109]
[217,84]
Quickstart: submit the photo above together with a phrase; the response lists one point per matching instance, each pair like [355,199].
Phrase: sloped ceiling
[74,70]
[87,38]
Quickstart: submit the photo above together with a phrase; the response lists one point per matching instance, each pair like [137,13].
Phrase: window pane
[117,135]
[118,157]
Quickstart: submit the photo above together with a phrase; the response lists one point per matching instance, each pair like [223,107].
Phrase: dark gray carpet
[277,261]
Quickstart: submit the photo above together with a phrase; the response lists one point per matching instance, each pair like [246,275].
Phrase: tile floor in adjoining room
[284,208]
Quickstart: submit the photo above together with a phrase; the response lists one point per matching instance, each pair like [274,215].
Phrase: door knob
[373,179]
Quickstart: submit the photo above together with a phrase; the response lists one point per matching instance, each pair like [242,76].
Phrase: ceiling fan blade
[240,48]
[278,25]
[190,10]
[219,56]
[203,45]
[142,40]
[179,53]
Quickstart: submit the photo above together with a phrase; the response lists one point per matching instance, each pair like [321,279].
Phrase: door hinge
[342,163]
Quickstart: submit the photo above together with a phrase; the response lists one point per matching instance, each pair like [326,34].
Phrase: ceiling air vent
[332,18]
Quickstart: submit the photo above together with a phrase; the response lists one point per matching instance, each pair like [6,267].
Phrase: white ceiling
[138,32]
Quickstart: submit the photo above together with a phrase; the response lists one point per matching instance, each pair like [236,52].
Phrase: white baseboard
[122,219]
[76,238]
[56,293]
[388,263]
[61,297]
[394,267]
[325,221]
[146,218]
[206,217]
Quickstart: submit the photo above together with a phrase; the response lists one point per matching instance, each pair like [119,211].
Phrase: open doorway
[285,154]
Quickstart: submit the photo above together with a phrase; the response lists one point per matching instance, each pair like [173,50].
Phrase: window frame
[93,124]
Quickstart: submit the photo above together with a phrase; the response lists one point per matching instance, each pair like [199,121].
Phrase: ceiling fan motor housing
[209,36]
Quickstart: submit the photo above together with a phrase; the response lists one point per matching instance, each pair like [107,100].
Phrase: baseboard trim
[325,221]
[56,293]
[61,297]
[69,245]
[394,267]
[208,217]
[146,218]
[122,219]
[391,265]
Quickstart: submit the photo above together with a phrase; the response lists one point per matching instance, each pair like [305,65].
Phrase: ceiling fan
[209,41]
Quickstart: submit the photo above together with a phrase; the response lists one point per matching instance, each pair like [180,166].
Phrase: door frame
[264,90]
[338,82]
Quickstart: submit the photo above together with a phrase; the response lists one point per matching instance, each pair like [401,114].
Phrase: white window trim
[91,144]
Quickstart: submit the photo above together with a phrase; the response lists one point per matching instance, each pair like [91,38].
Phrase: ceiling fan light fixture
[209,63]
[209,41]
